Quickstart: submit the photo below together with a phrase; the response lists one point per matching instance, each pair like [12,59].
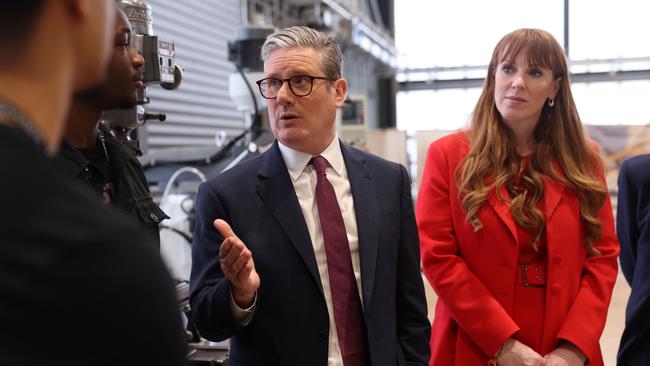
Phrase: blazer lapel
[366,210]
[503,211]
[553,191]
[276,190]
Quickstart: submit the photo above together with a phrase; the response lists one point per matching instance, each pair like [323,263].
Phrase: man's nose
[136,58]
[285,95]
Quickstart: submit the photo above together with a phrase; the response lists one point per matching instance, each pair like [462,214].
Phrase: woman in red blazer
[516,226]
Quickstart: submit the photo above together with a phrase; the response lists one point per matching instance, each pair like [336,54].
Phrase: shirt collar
[296,161]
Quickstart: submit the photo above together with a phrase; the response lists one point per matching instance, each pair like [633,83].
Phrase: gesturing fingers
[233,257]
[223,228]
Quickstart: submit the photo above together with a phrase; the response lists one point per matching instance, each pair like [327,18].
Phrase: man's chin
[91,94]
[128,103]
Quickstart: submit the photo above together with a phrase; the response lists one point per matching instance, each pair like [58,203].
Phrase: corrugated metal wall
[201,106]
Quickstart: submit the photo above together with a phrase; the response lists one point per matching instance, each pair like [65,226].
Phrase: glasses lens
[269,87]
[301,85]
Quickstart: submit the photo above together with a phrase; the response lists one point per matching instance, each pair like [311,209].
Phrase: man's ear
[341,90]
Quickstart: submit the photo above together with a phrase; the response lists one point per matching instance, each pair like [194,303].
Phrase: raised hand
[236,262]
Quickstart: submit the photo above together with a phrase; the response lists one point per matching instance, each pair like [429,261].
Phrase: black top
[116,175]
[76,288]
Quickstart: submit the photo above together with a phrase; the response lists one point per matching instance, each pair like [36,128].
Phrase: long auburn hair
[562,153]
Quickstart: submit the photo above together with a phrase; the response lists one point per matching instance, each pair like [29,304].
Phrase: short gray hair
[300,36]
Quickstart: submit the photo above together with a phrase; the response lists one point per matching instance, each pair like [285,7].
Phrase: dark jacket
[633,227]
[290,324]
[76,288]
[131,191]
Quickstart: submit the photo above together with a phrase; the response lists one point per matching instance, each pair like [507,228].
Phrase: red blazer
[473,273]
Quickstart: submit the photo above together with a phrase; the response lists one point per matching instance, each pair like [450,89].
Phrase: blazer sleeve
[470,303]
[210,297]
[585,320]
[413,327]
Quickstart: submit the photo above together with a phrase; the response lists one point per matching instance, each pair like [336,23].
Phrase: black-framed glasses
[300,85]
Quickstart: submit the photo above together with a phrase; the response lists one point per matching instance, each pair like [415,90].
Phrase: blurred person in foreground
[515,222]
[632,226]
[308,254]
[72,278]
[92,155]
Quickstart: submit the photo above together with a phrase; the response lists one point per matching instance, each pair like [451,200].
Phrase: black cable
[182,234]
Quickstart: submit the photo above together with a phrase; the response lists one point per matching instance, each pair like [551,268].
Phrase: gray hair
[300,36]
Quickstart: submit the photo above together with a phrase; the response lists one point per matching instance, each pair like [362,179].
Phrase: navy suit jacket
[290,324]
[633,227]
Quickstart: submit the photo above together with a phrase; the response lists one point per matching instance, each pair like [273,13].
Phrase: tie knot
[320,164]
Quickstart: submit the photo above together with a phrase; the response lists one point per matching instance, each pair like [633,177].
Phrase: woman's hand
[565,355]
[515,353]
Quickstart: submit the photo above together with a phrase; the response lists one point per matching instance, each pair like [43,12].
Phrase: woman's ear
[556,87]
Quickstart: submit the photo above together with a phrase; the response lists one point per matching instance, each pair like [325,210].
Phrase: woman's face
[520,90]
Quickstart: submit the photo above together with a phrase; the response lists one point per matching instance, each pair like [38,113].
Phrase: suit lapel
[276,190]
[366,211]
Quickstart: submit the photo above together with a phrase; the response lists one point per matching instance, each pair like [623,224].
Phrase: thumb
[223,228]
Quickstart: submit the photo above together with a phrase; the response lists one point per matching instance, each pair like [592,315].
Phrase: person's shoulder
[241,172]
[455,141]
[371,160]
[449,149]
[238,178]
[637,167]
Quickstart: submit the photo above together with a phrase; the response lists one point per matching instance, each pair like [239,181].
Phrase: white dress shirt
[303,177]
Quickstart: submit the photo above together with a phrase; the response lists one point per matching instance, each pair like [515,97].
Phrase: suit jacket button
[320,337]
[557,260]
[555,288]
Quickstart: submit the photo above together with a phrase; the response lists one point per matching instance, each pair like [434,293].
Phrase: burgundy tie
[348,313]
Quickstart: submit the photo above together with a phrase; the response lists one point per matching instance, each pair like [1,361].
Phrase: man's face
[124,77]
[306,123]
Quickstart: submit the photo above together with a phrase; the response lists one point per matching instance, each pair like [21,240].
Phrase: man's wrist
[243,299]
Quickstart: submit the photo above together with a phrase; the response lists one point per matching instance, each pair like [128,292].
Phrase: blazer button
[555,288]
[320,337]
[557,260]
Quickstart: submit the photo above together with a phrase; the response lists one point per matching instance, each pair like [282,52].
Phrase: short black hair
[17,19]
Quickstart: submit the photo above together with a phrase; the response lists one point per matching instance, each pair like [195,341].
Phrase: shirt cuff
[242,316]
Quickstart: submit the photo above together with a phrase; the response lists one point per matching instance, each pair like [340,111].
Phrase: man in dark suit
[77,286]
[308,254]
[633,228]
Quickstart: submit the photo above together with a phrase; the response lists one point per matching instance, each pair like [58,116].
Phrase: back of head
[305,37]
[17,21]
